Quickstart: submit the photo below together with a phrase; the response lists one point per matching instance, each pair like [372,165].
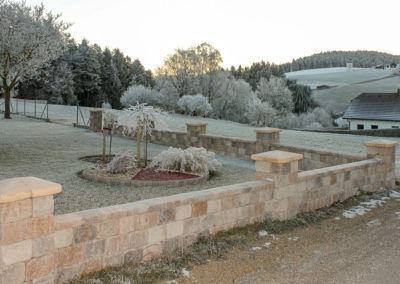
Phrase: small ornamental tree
[140,119]
[29,40]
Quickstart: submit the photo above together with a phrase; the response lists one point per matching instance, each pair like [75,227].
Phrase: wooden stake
[104,144]
[138,141]
[111,134]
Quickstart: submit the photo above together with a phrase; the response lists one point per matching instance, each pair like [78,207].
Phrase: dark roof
[375,106]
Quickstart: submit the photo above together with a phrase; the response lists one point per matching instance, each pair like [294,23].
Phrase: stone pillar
[27,230]
[194,129]
[386,151]
[265,137]
[96,120]
[279,166]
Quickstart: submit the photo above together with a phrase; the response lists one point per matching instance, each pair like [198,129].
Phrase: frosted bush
[192,159]
[121,164]
[317,118]
[194,105]
[260,113]
[141,94]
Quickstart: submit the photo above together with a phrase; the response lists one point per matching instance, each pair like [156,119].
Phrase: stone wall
[266,139]
[37,247]
[316,159]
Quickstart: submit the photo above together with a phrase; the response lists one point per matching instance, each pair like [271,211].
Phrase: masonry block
[96,120]
[265,137]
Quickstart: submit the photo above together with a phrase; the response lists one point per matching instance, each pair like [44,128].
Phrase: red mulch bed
[152,174]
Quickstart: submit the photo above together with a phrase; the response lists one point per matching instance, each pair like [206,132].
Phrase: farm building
[374,111]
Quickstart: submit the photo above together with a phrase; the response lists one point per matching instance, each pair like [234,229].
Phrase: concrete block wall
[37,247]
[267,139]
[316,159]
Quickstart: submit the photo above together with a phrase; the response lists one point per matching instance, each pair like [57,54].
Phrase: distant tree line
[360,58]
[87,74]
[191,81]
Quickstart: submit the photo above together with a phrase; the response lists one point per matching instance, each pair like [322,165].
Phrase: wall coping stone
[267,130]
[96,110]
[306,175]
[381,143]
[359,157]
[280,157]
[196,123]
[233,139]
[15,189]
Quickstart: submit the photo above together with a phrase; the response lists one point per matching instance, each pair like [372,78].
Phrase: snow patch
[374,222]
[255,248]
[394,194]
[267,244]
[363,208]
[263,233]
[337,218]
[185,272]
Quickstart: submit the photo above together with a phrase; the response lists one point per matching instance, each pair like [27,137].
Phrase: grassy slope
[345,85]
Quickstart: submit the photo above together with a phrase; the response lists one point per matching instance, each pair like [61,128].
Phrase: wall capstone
[27,230]
[265,137]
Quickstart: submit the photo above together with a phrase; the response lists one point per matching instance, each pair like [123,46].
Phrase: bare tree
[29,40]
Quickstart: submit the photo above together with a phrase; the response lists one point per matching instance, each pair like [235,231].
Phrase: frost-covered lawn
[51,151]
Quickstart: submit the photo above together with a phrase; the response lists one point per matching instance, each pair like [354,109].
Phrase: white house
[374,111]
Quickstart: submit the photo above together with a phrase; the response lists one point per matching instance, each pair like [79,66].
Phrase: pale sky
[244,31]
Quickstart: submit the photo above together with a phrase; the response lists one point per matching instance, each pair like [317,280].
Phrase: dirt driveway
[364,249]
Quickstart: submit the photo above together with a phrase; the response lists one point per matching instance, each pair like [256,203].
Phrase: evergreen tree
[86,71]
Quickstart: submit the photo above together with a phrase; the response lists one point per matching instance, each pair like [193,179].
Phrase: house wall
[367,124]
[38,247]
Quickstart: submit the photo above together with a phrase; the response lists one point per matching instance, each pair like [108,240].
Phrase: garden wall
[37,247]
[266,139]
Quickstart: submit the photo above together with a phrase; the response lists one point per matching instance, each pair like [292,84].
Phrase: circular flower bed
[139,177]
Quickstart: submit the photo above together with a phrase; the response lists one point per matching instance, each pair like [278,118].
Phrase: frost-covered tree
[141,94]
[110,84]
[231,99]
[140,76]
[192,70]
[86,70]
[260,113]
[29,40]
[276,93]
[194,105]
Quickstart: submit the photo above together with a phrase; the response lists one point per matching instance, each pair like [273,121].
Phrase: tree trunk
[7,97]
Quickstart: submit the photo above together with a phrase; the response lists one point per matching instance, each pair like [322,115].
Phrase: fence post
[17,106]
[77,113]
[24,107]
[35,108]
[47,110]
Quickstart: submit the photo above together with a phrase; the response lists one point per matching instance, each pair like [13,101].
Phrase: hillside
[344,84]
[359,58]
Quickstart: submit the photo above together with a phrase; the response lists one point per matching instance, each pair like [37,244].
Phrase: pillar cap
[267,130]
[196,123]
[96,110]
[279,157]
[381,143]
[15,189]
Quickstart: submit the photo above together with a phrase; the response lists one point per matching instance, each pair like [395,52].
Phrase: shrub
[194,105]
[121,164]
[315,119]
[141,94]
[191,159]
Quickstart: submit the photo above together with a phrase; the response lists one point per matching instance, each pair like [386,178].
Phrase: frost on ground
[256,248]
[185,272]
[263,233]
[364,207]
[51,151]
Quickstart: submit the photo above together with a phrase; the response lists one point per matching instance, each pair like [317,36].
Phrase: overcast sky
[244,31]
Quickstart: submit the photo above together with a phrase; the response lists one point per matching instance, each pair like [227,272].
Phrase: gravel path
[364,249]
[51,151]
